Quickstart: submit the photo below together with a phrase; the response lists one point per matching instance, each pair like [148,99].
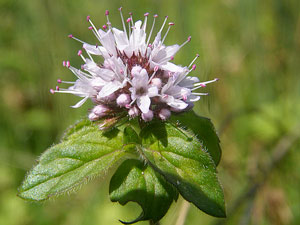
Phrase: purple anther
[184,97]
[197,55]
[171,24]
[149,45]
[146,14]
[57,88]
[104,27]
[79,52]
[130,13]
[202,85]
[189,38]
[59,81]
[155,16]
[70,36]
[88,18]
[64,63]
[52,91]
[128,20]
[106,12]
[120,9]
[90,28]
[82,67]
[217,79]
[166,16]
[172,58]
[68,64]
[155,68]
[194,67]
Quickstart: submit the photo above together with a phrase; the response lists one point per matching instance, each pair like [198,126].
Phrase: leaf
[84,153]
[137,182]
[180,158]
[203,129]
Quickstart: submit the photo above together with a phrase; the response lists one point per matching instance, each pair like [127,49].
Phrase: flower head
[135,76]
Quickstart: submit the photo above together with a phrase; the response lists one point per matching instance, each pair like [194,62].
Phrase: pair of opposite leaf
[158,161]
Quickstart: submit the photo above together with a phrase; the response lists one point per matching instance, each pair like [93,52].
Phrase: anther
[88,18]
[79,52]
[156,68]
[59,81]
[70,36]
[104,27]
[52,91]
[57,88]
[189,38]
[146,14]
[194,67]
[68,64]
[106,12]
[172,58]
[64,63]
[128,20]
[120,9]
[171,24]
[90,28]
[155,16]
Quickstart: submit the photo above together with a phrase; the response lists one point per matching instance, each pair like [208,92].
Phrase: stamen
[108,22]
[57,88]
[68,64]
[154,18]
[104,27]
[95,31]
[59,81]
[172,58]
[132,23]
[64,63]
[155,70]
[187,41]
[76,39]
[162,27]
[129,28]
[170,24]
[206,82]
[197,56]
[200,94]
[52,91]
[122,18]
[145,21]
[80,54]
[193,68]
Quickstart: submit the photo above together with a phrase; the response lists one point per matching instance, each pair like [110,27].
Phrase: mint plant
[142,126]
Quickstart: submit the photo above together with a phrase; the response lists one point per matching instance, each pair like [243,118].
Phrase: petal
[108,41]
[172,67]
[193,98]
[121,39]
[188,81]
[80,103]
[143,103]
[178,104]
[94,50]
[152,91]
[109,88]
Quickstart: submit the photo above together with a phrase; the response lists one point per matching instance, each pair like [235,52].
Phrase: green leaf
[84,153]
[204,131]
[137,182]
[181,159]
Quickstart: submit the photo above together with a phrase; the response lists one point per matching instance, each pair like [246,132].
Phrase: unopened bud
[147,116]
[156,82]
[93,117]
[123,100]
[133,112]
[164,114]
[100,110]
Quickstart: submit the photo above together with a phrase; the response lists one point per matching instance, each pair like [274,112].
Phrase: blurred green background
[252,45]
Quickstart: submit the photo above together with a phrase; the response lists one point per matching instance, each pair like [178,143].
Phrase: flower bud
[93,117]
[123,100]
[164,114]
[133,112]
[136,71]
[156,82]
[147,116]
[100,110]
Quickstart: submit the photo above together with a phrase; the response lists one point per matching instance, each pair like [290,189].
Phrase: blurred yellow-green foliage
[252,45]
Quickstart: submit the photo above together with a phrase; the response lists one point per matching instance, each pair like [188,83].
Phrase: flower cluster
[136,76]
